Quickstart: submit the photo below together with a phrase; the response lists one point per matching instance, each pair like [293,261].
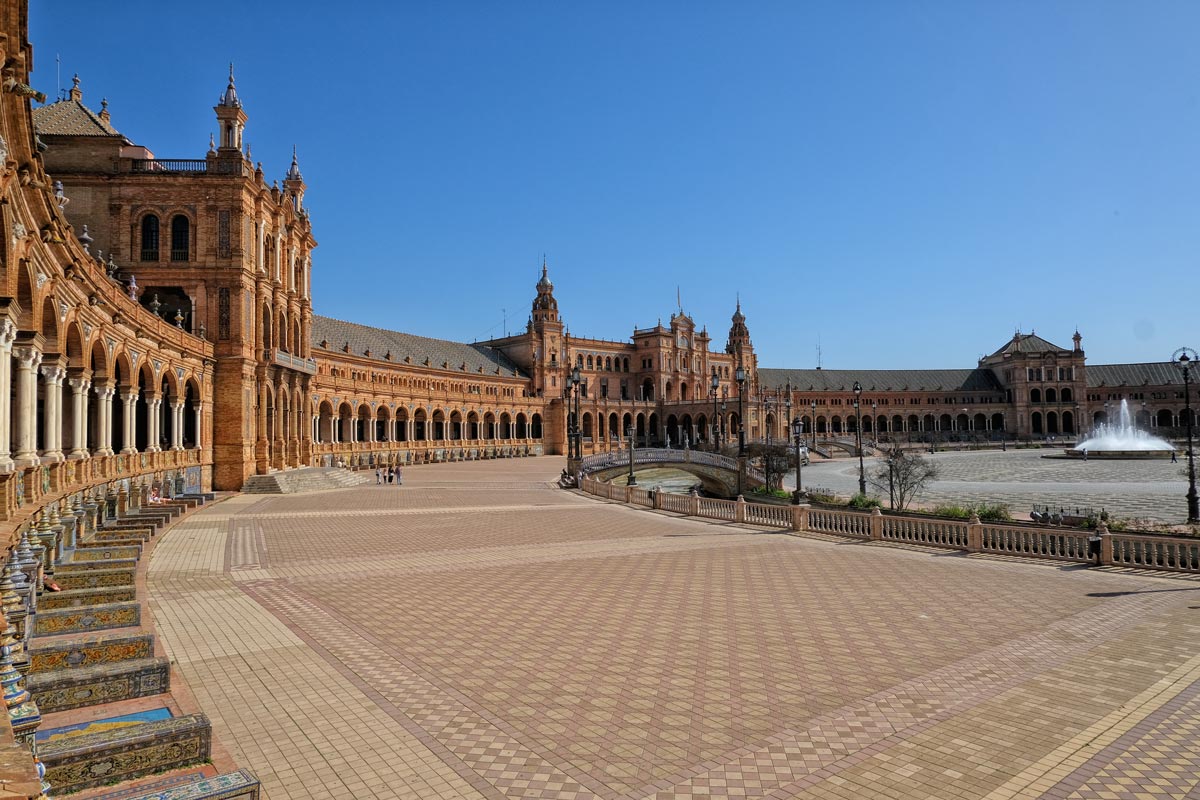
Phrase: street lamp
[740,376]
[1183,358]
[875,421]
[576,379]
[630,434]
[716,423]
[862,475]
[797,436]
[768,407]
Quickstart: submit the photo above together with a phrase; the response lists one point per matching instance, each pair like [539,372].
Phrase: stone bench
[103,649]
[64,689]
[140,533]
[239,785]
[77,567]
[109,552]
[85,619]
[115,541]
[73,598]
[122,754]
[96,578]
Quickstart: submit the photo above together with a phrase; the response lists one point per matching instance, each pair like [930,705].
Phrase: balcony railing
[282,359]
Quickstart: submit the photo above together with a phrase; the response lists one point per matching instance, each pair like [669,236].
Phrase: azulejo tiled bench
[65,689]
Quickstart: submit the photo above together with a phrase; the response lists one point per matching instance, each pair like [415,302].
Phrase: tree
[903,476]
[775,459]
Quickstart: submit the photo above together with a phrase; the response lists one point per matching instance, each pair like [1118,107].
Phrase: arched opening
[325,433]
[822,425]
[684,391]
[167,302]
[1035,395]
[837,424]
[180,237]
[648,389]
[402,424]
[962,422]
[345,423]
[1162,419]
[489,427]
[383,424]
[505,426]
[1066,395]
[456,426]
[1051,422]
[980,422]
[686,432]
[1035,422]
[587,426]
[363,421]
[149,248]
[997,422]
[522,427]
[614,427]
[1051,395]
[191,414]
[653,436]
[420,426]
[1068,422]
[145,385]
[473,426]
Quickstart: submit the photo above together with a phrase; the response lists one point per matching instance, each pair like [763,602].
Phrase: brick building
[220,252]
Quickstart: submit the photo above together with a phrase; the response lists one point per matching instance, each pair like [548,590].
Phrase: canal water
[665,479]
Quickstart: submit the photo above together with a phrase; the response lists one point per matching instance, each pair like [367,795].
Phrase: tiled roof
[1154,373]
[436,353]
[70,117]
[1028,343]
[878,380]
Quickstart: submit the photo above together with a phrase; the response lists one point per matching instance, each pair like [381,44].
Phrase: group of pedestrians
[390,475]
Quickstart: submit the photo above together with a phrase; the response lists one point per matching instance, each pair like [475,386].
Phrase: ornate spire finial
[293,172]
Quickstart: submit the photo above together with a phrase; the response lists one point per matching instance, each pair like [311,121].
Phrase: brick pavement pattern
[478,633]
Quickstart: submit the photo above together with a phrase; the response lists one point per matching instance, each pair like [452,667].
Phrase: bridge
[717,473]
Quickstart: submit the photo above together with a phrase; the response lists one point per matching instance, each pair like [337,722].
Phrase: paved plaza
[1150,489]
[477,633]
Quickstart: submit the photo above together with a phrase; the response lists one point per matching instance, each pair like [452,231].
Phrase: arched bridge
[717,473]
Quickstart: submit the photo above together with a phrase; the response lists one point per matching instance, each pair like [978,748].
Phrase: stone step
[98,759]
[116,541]
[76,567]
[238,785]
[96,578]
[74,598]
[65,689]
[85,619]
[307,479]
[89,651]
[111,534]
[88,553]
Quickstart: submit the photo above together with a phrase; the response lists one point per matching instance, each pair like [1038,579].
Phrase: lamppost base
[632,482]
[797,495]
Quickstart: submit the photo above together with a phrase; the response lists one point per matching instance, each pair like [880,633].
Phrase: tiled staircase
[107,715]
[305,479]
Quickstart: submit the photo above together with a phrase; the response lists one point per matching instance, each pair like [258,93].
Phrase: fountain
[1121,440]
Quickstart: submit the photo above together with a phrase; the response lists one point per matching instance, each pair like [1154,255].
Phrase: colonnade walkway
[476,633]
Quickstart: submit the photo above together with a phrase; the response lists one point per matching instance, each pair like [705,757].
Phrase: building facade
[221,257]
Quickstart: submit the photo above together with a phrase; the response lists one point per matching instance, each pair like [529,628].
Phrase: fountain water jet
[1121,440]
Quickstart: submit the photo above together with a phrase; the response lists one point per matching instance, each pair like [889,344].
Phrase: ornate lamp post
[798,437]
[1183,359]
[862,475]
[768,408]
[740,376]
[716,421]
[576,379]
[875,421]
[630,434]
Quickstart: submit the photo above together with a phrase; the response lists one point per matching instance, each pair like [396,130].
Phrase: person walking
[378,476]
[1174,459]
[399,475]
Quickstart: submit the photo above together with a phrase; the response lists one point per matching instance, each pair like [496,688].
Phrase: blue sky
[905,182]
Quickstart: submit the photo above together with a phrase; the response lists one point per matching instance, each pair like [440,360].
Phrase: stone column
[104,396]
[79,416]
[129,410]
[153,423]
[198,409]
[8,334]
[52,412]
[25,412]
[177,425]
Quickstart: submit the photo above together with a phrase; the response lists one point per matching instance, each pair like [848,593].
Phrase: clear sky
[906,182]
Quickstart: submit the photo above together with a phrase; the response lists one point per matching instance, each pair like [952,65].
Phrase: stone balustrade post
[739,509]
[974,534]
[694,504]
[122,501]
[1106,544]
[876,524]
[800,516]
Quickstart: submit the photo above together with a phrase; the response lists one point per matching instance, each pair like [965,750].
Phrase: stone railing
[356,454]
[661,455]
[1144,551]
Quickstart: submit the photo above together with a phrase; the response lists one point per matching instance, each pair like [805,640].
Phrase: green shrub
[954,512]
[861,500]
[987,512]
[827,499]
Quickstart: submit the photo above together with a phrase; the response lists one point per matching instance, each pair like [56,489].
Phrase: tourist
[1174,460]
[155,497]
[1085,454]
[399,476]
[378,476]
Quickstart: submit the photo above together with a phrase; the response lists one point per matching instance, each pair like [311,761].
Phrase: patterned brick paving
[476,633]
